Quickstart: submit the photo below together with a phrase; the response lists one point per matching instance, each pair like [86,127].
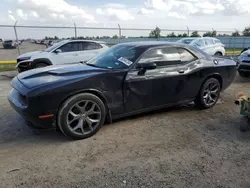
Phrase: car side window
[161,56]
[70,47]
[186,56]
[167,56]
[200,43]
[90,46]
[217,41]
[209,41]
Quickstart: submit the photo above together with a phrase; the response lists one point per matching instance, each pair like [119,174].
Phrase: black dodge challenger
[127,79]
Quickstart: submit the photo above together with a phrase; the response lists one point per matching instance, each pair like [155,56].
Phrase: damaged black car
[127,79]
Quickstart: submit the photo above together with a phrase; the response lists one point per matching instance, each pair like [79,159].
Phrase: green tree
[210,34]
[207,34]
[214,33]
[236,34]
[246,31]
[56,38]
[115,37]
[171,35]
[185,35]
[195,34]
[156,33]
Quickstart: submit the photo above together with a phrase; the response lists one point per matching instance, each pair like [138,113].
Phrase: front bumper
[24,65]
[244,67]
[29,114]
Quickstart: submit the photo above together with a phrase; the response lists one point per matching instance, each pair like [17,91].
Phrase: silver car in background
[210,45]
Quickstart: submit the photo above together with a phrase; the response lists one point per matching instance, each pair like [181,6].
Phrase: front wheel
[81,116]
[209,94]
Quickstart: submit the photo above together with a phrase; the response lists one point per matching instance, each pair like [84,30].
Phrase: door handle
[75,54]
[181,71]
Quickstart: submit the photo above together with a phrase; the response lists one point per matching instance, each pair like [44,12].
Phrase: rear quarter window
[217,41]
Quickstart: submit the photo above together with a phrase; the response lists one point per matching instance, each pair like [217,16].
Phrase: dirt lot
[177,147]
[12,54]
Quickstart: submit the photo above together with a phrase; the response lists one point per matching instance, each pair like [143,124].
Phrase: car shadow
[177,108]
[19,132]
[239,79]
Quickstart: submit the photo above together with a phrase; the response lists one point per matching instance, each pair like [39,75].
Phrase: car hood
[57,73]
[30,54]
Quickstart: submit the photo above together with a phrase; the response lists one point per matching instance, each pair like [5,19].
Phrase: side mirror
[146,66]
[58,51]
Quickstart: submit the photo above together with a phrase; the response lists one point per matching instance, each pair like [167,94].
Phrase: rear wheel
[209,94]
[81,116]
[218,54]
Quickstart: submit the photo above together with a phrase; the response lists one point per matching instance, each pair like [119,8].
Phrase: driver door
[156,87]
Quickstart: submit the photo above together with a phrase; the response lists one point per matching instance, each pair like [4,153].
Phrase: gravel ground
[175,147]
[12,54]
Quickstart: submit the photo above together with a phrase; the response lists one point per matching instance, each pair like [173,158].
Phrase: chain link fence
[109,35]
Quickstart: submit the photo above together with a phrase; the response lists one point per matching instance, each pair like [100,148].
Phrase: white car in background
[210,45]
[64,52]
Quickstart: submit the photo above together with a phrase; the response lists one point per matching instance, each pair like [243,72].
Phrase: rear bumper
[8,46]
[27,113]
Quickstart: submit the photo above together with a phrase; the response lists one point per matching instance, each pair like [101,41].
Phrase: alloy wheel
[211,93]
[84,117]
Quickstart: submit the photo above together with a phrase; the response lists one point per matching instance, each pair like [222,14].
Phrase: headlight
[24,58]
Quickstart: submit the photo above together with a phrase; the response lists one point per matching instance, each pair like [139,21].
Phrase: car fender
[96,92]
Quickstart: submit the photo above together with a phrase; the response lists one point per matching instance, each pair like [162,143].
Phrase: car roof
[79,40]
[149,44]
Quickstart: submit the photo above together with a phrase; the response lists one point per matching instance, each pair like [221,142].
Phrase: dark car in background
[127,79]
[243,63]
[10,44]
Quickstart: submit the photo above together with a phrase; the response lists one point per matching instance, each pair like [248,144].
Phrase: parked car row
[11,44]
[48,43]
[100,84]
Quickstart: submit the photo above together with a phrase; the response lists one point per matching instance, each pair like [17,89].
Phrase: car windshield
[117,57]
[185,41]
[53,47]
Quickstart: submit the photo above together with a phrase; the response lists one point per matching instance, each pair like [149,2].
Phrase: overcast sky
[167,14]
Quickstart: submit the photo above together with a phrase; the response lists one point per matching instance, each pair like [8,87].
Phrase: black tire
[200,100]
[40,65]
[69,104]
[218,54]
[243,74]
